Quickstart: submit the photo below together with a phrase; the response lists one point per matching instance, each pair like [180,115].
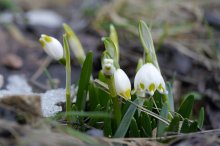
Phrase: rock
[1,81]
[29,104]
[212,16]
[12,61]
[95,132]
[45,18]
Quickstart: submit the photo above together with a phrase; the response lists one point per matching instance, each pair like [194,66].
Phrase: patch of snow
[17,84]
[50,98]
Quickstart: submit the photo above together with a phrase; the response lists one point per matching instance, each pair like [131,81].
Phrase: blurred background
[186,35]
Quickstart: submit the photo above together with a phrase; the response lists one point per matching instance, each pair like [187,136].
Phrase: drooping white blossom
[122,84]
[148,79]
[108,67]
[51,46]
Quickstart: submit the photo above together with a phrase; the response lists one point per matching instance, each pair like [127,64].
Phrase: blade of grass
[84,82]
[162,126]
[126,120]
[186,107]
[201,117]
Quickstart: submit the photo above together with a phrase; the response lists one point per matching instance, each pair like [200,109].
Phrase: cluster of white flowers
[147,80]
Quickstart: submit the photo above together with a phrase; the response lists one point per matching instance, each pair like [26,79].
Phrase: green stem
[68,80]
[116,105]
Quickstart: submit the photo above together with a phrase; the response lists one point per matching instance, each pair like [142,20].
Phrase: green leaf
[174,124]
[126,120]
[114,37]
[162,126]
[84,81]
[147,43]
[201,117]
[145,120]
[193,127]
[185,126]
[170,97]
[186,107]
[93,121]
[188,127]
[146,125]
[107,123]
[133,130]
[93,98]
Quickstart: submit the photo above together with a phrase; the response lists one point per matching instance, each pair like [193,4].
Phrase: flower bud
[148,79]
[75,44]
[122,84]
[108,67]
[51,46]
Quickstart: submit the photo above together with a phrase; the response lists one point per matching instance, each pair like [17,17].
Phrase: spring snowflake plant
[109,103]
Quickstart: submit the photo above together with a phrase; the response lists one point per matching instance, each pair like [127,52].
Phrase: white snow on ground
[18,85]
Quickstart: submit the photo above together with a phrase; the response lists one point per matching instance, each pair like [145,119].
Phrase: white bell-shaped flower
[148,79]
[122,84]
[51,46]
[108,67]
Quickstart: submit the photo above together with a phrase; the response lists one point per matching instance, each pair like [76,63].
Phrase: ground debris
[12,61]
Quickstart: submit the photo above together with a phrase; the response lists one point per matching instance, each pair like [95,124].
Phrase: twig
[215,131]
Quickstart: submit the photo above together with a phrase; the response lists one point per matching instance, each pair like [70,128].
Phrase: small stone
[30,104]
[45,18]
[1,81]
[12,61]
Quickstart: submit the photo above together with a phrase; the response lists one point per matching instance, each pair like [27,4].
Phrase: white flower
[108,67]
[148,79]
[122,84]
[51,46]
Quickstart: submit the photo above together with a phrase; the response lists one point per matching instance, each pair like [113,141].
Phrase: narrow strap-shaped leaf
[84,81]
[126,120]
[162,126]
[114,37]
[185,126]
[201,117]
[170,97]
[147,43]
[133,130]
[150,113]
[174,124]
[186,107]
[107,122]
[146,124]
[93,98]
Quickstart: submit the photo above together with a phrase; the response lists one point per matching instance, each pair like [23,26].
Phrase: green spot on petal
[142,86]
[42,43]
[107,67]
[126,94]
[151,87]
[48,39]
[160,87]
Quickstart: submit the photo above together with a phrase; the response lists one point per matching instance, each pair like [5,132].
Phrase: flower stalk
[68,79]
[116,105]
